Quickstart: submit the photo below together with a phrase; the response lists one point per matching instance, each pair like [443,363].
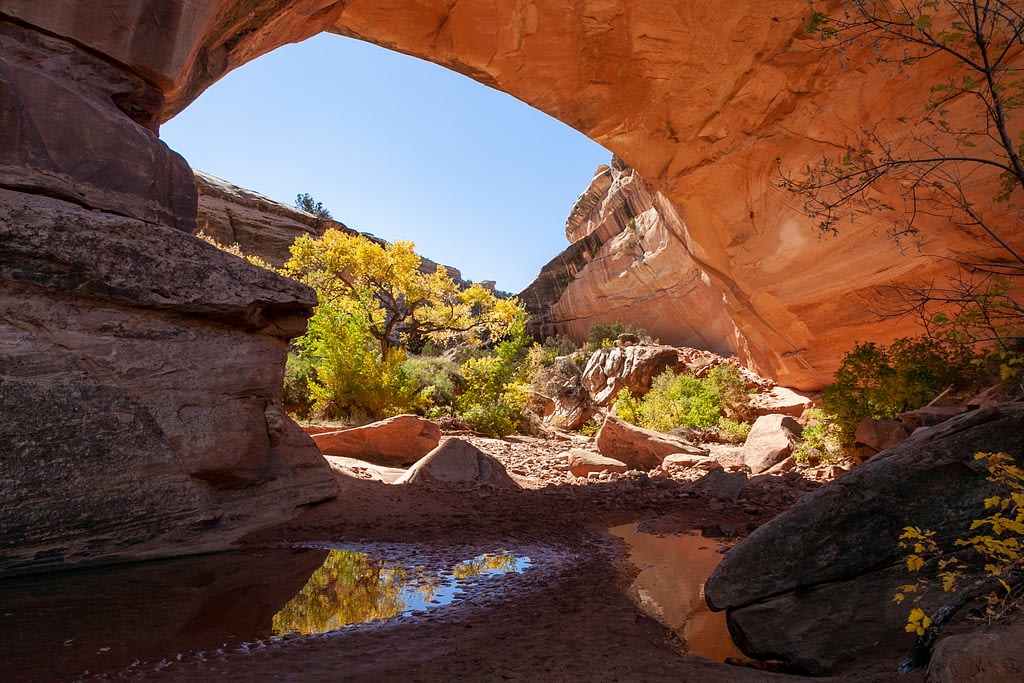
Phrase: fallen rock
[814,586]
[570,404]
[993,655]
[720,484]
[779,400]
[640,448]
[681,461]
[609,371]
[395,442]
[581,463]
[455,461]
[880,435]
[771,439]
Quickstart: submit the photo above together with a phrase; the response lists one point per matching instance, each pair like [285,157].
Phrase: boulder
[684,461]
[771,439]
[720,484]
[455,461]
[642,449]
[814,586]
[880,435]
[581,463]
[779,400]
[395,442]
[141,375]
[608,371]
[570,404]
[992,655]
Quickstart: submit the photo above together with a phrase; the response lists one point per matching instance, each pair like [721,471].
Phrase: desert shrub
[879,381]
[352,381]
[298,372]
[437,382]
[603,335]
[497,394]
[822,440]
[685,401]
[559,345]
[590,427]
[986,562]
[731,431]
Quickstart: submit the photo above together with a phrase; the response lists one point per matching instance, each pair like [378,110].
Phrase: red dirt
[574,623]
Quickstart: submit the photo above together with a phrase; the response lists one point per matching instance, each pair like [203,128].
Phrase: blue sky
[398,147]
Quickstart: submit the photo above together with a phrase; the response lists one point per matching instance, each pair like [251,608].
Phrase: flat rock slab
[395,442]
[455,461]
[581,463]
[642,449]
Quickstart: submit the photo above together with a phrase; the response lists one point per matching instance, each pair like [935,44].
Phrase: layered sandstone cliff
[266,228]
[628,263]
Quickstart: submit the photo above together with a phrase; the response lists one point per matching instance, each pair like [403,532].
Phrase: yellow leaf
[914,562]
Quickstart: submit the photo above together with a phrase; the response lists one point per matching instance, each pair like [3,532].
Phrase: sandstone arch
[700,98]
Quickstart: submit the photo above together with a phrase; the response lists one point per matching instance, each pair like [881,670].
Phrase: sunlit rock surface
[699,98]
[258,225]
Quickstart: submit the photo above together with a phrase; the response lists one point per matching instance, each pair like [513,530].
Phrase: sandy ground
[566,619]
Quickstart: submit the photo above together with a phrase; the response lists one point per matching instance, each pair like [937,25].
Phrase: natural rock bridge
[140,371]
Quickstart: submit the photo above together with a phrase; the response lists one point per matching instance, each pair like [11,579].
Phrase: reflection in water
[670,587]
[66,625]
[353,587]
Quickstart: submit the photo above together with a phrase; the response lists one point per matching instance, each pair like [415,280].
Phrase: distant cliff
[628,262]
[263,227]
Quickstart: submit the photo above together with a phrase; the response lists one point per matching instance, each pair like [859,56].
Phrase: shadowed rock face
[140,383]
[815,585]
[699,98]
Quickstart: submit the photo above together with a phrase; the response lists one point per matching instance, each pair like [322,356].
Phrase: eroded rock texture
[699,98]
[815,586]
[259,226]
[140,386]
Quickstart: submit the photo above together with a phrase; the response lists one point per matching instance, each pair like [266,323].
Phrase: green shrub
[437,382]
[822,439]
[352,381]
[298,372]
[603,335]
[685,401]
[881,382]
[732,432]
[496,394]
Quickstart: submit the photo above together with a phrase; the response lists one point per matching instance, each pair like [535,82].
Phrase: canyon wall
[117,343]
[628,262]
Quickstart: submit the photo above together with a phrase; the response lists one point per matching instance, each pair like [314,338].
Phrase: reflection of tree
[352,588]
[488,563]
[349,588]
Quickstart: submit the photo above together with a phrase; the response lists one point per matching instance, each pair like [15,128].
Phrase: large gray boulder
[815,585]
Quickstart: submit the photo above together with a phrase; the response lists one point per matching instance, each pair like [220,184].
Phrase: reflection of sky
[450,587]
[381,590]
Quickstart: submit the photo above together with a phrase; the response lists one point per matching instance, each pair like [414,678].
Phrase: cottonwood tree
[384,284]
[958,161]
